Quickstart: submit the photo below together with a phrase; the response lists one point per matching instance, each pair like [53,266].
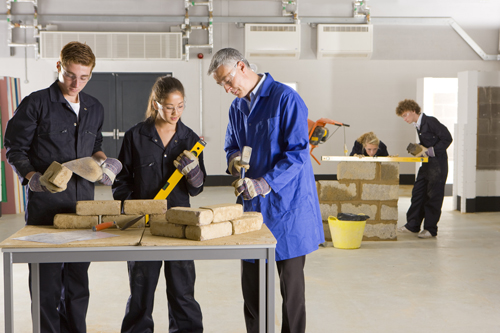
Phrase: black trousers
[427,197]
[292,286]
[64,297]
[184,312]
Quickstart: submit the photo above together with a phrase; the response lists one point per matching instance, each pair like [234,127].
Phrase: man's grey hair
[227,57]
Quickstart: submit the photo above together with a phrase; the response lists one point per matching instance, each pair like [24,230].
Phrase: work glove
[41,183]
[250,188]
[188,165]
[420,151]
[110,168]
[235,164]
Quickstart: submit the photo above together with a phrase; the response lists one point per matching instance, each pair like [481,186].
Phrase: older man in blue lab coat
[271,118]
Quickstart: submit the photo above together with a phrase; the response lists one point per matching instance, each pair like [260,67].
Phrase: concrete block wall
[370,188]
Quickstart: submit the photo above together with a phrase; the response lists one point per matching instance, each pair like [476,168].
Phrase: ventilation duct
[116,45]
[345,41]
[272,41]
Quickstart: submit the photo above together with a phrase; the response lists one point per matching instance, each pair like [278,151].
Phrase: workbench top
[132,237]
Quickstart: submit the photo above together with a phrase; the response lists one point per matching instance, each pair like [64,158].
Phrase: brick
[388,213]
[379,192]
[166,229]
[190,216]
[225,212]
[370,210]
[328,209]
[376,230]
[98,207]
[356,170]
[247,223]
[74,221]
[158,218]
[121,220]
[210,231]
[332,190]
[389,171]
[141,207]
[58,174]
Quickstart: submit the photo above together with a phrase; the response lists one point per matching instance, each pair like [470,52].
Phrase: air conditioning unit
[345,41]
[272,41]
[116,45]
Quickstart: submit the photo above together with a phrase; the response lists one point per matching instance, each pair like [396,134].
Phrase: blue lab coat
[276,129]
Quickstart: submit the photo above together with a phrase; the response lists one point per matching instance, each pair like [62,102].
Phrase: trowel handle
[103,226]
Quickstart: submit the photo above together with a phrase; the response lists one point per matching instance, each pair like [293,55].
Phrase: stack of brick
[370,188]
[206,222]
[88,213]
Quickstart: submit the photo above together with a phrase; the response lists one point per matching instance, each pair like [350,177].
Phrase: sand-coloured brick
[121,220]
[58,174]
[190,216]
[379,192]
[158,218]
[358,208]
[247,223]
[375,230]
[74,221]
[209,231]
[332,190]
[141,207]
[225,212]
[356,170]
[98,207]
[166,229]
[328,209]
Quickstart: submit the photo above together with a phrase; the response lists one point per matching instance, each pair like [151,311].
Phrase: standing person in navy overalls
[150,153]
[60,123]
[428,192]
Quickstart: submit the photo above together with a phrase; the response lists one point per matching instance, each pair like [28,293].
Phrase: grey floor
[450,283]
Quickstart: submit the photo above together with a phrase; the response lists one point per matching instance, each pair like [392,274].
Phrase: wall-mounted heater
[116,45]
[345,41]
[272,41]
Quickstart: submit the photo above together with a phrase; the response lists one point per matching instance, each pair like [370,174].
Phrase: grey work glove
[188,165]
[41,183]
[110,168]
[250,188]
[235,164]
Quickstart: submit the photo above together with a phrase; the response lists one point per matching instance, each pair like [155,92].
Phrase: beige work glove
[235,164]
[41,183]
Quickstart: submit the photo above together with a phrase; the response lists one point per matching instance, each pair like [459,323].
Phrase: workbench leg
[270,289]
[262,295]
[35,297]
[8,292]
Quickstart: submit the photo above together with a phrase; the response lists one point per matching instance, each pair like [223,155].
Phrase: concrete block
[74,221]
[388,212]
[356,170]
[141,207]
[370,210]
[190,216]
[210,231]
[166,229]
[98,207]
[332,190]
[382,231]
[121,220]
[379,192]
[225,212]
[389,171]
[328,209]
[247,223]
[158,218]
[58,174]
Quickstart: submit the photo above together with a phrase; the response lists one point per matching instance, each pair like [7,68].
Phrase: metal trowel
[86,168]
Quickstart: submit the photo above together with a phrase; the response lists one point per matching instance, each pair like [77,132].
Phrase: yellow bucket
[346,234]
